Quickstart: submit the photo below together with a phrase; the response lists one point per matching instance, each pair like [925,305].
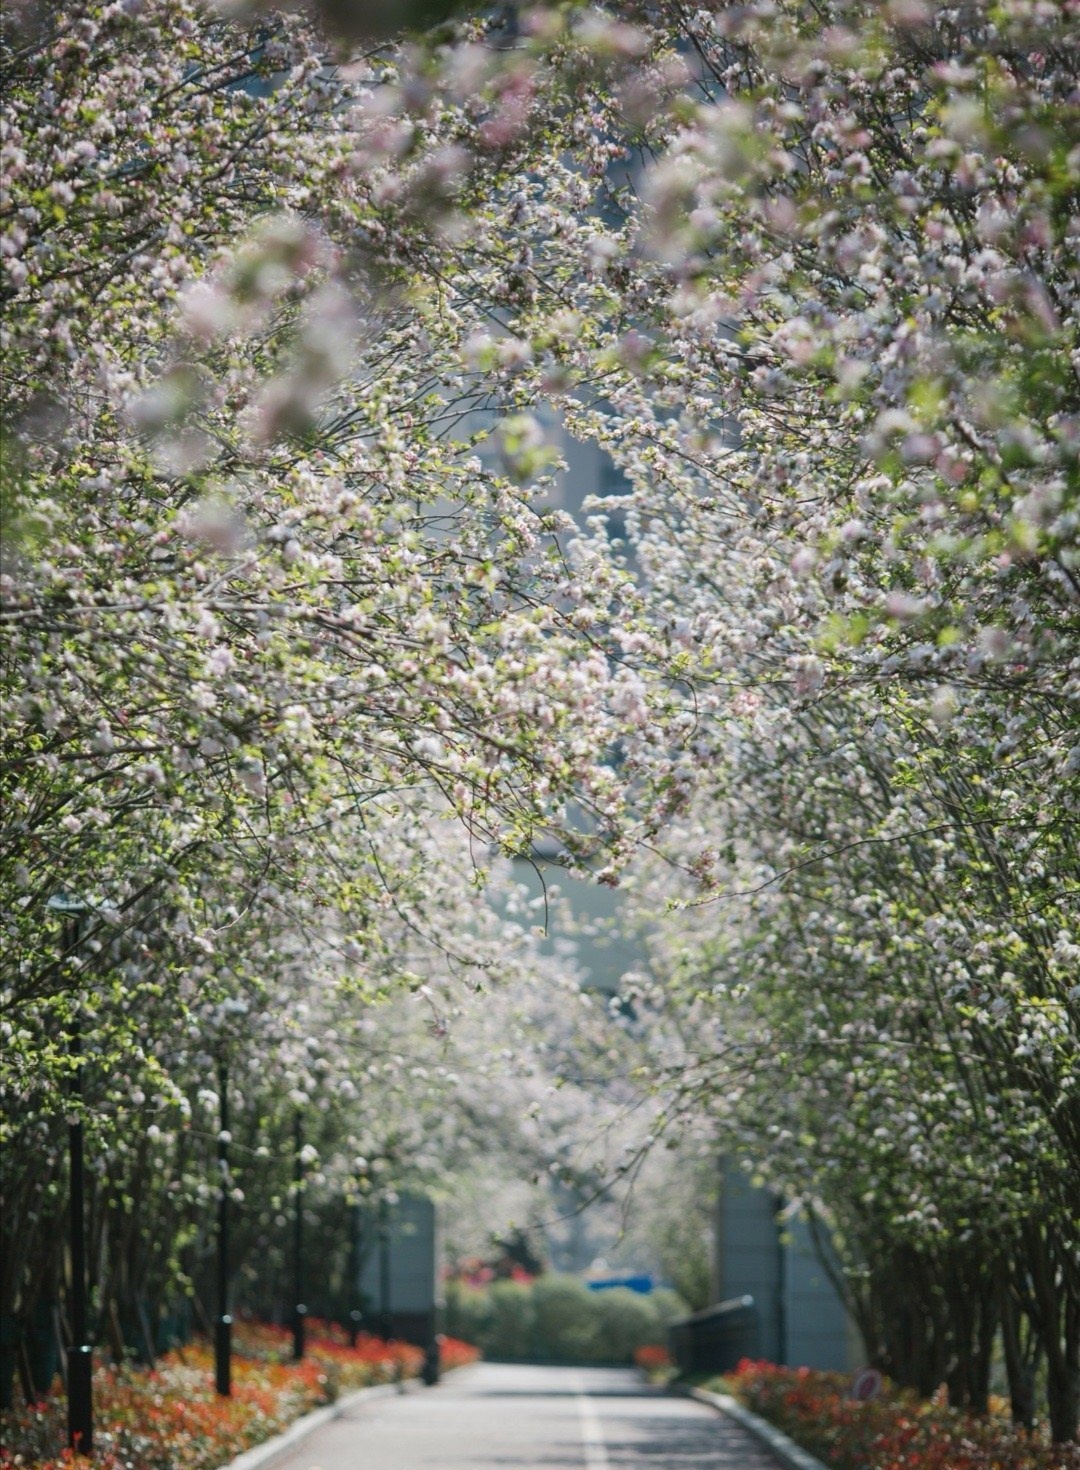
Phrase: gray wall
[802,1319]
[414,1259]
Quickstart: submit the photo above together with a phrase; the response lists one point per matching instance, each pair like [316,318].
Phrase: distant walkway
[495,1417]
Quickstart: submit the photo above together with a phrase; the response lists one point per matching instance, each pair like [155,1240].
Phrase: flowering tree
[827,338]
[267,630]
[253,593]
[285,578]
[843,399]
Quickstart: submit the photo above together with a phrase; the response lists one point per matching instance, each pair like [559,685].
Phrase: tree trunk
[1063,1401]
[1053,1305]
[982,1345]
[1020,1360]
[1063,1381]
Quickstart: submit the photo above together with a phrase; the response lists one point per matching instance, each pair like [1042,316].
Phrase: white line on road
[592,1436]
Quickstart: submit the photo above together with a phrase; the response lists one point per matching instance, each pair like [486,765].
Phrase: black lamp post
[357,1212]
[300,1309]
[223,1325]
[385,1320]
[79,1354]
[781,1285]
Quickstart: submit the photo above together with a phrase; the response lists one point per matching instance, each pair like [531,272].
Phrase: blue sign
[641,1284]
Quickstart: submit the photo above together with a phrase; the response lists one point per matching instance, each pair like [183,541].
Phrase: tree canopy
[300,337]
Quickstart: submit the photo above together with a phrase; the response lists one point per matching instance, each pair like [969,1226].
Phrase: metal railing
[714,1340]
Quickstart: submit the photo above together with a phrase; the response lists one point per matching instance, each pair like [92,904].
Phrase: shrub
[627,1321]
[511,1329]
[469,1313]
[558,1317]
[668,1306]
[566,1320]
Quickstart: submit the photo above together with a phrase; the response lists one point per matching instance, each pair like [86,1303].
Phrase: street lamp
[353,1270]
[385,1318]
[223,1325]
[73,911]
[300,1310]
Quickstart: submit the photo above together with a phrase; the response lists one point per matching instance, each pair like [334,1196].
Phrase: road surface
[500,1417]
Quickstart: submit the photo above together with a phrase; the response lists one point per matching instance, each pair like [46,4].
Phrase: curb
[790,1455]
[265,1453]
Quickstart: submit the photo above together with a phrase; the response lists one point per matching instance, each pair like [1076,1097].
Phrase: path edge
[790,1455]
[264,1454]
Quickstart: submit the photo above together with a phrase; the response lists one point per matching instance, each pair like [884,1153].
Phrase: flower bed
[453,1353]
[371,1361]
[895,1431]
[655,1362]
[172,1419]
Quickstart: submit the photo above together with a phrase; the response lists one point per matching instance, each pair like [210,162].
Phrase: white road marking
[592,1436]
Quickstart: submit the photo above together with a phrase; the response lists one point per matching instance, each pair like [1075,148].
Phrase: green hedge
[557,1318]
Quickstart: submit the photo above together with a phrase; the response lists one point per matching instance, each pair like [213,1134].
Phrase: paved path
[495,1417]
